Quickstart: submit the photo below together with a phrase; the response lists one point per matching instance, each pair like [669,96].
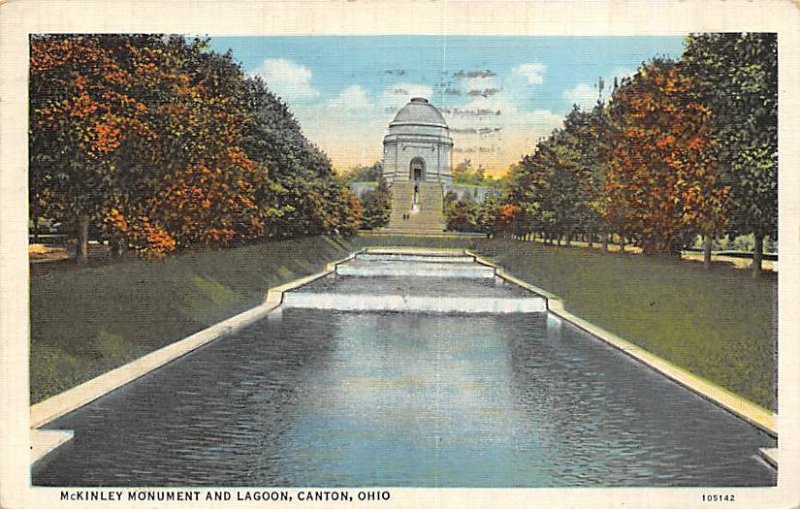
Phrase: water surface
[321,398]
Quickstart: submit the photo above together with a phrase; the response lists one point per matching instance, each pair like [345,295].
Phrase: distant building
[418,146]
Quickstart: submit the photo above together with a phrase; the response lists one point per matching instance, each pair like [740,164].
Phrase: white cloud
[583,94]
[290,81]
[534,73]
[398,94]
[480,82]
[353,99]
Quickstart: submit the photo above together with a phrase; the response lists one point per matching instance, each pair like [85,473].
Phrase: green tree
[460,214]
[488,214]
[465,174]
[377,204]
[81,113]
[737,78]
[365,173]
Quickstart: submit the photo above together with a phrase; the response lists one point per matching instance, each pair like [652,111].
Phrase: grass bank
[719,324]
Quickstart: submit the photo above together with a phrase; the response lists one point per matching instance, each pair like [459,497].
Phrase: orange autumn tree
[81,115]
[139,136]
[662,180]
[204,195]
[506,219]
[158,144]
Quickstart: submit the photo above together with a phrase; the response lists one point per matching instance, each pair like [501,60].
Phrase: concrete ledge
[411,257]
[417,269]
[757,416]
[413,303]
[43,442]
[433,251]
[46,441]
[770,455]
[417,233]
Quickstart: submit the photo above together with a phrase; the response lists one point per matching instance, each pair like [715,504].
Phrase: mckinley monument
[417,165]
[418,146]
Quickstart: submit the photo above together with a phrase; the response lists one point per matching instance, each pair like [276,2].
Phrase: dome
[419,112]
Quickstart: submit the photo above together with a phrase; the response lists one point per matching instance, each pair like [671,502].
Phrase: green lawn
[718,324]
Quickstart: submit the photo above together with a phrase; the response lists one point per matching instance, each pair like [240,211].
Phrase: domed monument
[418,146]
[417,161]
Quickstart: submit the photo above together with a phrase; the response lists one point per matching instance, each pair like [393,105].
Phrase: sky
[499,95]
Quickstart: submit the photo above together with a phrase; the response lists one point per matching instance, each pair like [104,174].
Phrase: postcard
[399,254]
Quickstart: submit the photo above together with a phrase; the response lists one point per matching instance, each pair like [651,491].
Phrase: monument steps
[426,219]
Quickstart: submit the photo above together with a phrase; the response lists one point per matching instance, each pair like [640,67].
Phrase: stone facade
[418,145]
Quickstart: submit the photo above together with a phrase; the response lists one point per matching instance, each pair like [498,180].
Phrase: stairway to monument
[426,219]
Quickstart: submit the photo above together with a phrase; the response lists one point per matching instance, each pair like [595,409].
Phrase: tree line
[157,144]
[682,148]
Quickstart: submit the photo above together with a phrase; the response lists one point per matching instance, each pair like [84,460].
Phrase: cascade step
[414,269]
[412,294]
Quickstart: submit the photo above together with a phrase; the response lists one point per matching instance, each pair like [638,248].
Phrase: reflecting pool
[330,398]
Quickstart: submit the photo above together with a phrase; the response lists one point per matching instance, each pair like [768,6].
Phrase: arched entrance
[416,170]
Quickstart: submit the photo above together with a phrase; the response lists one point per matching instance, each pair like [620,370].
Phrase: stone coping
[361,268]
[44,442]
[755,415]
[420,251]
[414,303]
[770,455]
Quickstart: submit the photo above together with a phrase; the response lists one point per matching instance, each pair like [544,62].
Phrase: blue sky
[498,94]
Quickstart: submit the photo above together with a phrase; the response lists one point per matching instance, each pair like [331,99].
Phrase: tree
[366,173]
[460,214]
[81,113]
[377,205]
[162,145]
[585,132]
[204,194]
[736,75]
[488,214]
[465,174]
[536,184]
[662,179]
[506,219]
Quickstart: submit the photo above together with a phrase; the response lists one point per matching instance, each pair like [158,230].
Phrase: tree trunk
[590,239]
[82,251]
[35,230]
[621,243]
[758,251]
[117,246]
[707,241]
[605,242]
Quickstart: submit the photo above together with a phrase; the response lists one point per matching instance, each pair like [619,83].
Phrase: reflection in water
[342,399]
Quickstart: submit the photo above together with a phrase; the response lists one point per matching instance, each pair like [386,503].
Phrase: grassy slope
[718,324]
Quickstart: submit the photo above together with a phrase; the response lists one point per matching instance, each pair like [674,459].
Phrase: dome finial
[419,100]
